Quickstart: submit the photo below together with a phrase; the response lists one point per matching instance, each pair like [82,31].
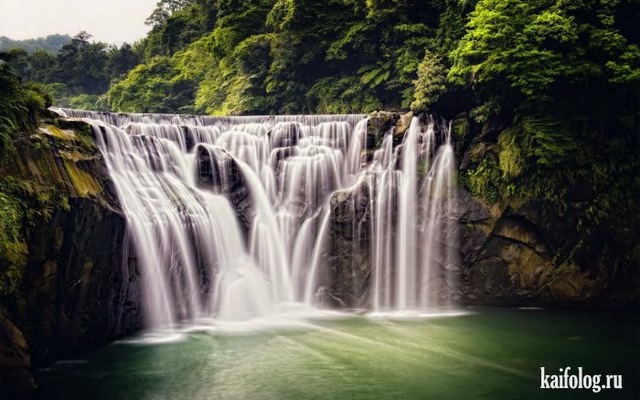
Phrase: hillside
[51,43]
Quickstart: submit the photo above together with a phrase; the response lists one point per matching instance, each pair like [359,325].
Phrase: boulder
[16,379]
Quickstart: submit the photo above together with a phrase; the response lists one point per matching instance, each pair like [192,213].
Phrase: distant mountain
[51,43]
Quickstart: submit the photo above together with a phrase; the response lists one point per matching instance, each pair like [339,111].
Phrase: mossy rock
[83,183]
[79,136]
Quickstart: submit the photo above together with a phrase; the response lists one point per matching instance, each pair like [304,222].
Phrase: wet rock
[219,172]
[403,123]
[82,288]
[348,249]
[16,379]
[523,256]
[379,124]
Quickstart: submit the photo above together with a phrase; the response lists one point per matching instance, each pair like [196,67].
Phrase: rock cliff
[70,285]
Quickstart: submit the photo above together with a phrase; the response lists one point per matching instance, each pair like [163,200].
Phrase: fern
[553,143]
[373,75]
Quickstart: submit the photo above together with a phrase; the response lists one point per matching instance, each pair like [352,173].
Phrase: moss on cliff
[571,184]
[13,249]
[83,183]
[48,167]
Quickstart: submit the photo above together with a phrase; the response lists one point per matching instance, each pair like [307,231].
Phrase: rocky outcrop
[348,249]
[81,289]
[78,287]
[219,172]
[520,256]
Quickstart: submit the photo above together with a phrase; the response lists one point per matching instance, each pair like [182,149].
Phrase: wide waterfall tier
[229,215]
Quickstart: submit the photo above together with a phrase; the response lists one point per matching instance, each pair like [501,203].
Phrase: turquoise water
[484,354]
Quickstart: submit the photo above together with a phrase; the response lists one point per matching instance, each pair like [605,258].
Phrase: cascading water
[203,249]
[413,230]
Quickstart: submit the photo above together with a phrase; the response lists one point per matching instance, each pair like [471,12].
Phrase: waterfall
[413,231]
[230,216]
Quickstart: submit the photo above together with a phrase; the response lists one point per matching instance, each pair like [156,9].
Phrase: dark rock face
[515,256]
[79,284]
[348,250]
[219,172]
[534,252]
[81,289]
[16,380]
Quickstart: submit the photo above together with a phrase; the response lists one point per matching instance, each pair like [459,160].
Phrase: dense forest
[548,87]
[51,43]
[78,74]
[291,56]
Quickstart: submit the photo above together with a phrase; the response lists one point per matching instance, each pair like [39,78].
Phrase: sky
[111,21]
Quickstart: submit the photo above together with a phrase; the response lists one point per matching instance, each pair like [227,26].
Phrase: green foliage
[374,75]
[555,85]
[176,24]
[484,180]
[121,60]
[533,145]
[88,102]
[512,156]
[197,60]
[164,9]
[553,143]
[528,53]
[430,83]
[13,250]
[627,68]
[19,105]
[301,47]
[41,67]
[81,69]
[24,204]
[152,87]
[490,108]
[83,65]
[238,86]
[342,95]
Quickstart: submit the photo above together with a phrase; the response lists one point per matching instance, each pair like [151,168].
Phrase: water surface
[484,354]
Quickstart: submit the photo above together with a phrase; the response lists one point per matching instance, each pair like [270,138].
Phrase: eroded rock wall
[76,286]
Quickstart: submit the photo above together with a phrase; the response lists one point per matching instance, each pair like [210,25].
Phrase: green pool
[482,354]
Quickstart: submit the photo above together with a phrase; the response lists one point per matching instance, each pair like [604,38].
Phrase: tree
[431,80]
[121,60]
[83,66]
[532,54]
[164,9]
[43,66]
[154,86]
[19,105]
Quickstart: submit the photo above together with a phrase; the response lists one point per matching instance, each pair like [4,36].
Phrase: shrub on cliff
[19,104]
